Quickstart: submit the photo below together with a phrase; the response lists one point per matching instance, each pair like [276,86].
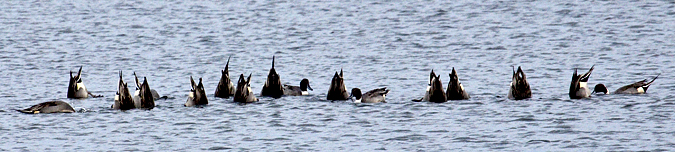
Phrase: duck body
[272,87]
[579,85]
[49,107]
[372,96]
[519,88]
[337,89]
[455,89]
[244,93]
[225,88]
[301,90]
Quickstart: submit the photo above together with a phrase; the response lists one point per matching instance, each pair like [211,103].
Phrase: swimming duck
[272,87]
[434,91]
[225,87]
[144,97]
[123,99]
[197,95]
[455,88]
[519,89]
[337,89]
[244,94]
[301,90]
[639,87]
[579,85]
[49,107]
[372,96]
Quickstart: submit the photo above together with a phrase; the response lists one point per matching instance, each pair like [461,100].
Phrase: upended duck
[434,92]
[455,88]
[76,88]
[225,87]
[519,88]
[579,85]
[49,107]
[144,97]
[272,87]
[244,94]
[372,96]
[639,87]
[337,89]
[301,90]
[123,99]
[197,95]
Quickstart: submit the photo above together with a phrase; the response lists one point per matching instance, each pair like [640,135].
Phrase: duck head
[356,94]
[600,89]
[225,87]
[304,85]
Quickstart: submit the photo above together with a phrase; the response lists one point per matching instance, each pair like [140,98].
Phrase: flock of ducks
[144,97]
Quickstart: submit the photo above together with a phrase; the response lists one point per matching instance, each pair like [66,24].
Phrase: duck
[197,95]
[244,94]
[579,85]
[76,88]
[337,89]
[519,88]
[225,88]
[639,87]
[301,90]
[49,107]
[123,99]
[434,92]
[272,87]
[372,96]
[455,89]
[144,97]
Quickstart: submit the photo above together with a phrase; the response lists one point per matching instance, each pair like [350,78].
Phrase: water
[378,44]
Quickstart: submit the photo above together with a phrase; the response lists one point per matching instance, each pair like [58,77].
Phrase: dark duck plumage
[434,92]
[244,94]
[455,88]
[76,88]
[519,89]
[49,107]
[197,95]
[372,96]
[272,87]
[579,85]
[337,89]
[225,88]
[639,87]
[301,90]
[123,99]
[144,97]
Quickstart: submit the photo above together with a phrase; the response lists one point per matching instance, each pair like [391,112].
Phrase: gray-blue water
[378,44]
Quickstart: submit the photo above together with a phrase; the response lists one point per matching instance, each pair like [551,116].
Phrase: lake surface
[377,44]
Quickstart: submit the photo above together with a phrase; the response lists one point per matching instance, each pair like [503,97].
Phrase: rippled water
[378,44]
